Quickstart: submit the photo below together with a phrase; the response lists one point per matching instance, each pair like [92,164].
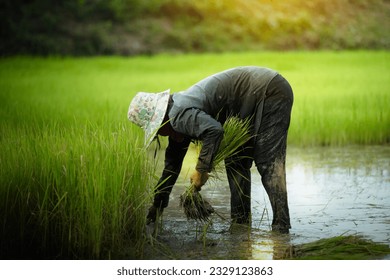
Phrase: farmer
[199,112]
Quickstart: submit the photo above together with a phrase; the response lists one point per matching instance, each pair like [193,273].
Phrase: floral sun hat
[147,110]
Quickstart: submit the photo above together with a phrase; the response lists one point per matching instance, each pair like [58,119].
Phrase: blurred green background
[131,27]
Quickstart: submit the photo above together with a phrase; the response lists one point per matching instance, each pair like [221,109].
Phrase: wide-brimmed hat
[147,110]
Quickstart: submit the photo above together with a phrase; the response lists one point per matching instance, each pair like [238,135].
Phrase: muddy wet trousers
[268,151]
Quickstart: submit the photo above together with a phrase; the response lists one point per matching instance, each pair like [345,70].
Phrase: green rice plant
[340,98]
[73,174]
[78,196]
[236,134]
[195,206]
[350,247]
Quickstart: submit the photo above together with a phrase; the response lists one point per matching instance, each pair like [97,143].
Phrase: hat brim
[158,117]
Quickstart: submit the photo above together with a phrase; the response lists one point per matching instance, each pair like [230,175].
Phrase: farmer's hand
[153,214]
[198,179]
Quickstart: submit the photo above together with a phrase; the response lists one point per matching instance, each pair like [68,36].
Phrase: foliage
[70,192]
[74,178]
[128,27]
[339,248]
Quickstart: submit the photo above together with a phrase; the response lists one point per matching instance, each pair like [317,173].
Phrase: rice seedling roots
[195,206]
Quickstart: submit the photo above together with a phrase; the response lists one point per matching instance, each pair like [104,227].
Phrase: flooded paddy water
[332,192]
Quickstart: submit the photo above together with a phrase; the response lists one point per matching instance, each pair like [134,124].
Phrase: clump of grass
[195,206]
[75,192]
[236,134]
[351,247]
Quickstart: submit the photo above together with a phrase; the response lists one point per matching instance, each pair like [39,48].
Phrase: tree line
[132,27]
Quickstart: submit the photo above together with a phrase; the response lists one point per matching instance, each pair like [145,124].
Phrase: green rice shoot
[351,247]
[236,134]
[195,206]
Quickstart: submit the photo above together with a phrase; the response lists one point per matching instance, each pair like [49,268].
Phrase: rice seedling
[72,197]
[236,134]
[195,206]
[74,177]
[350,247]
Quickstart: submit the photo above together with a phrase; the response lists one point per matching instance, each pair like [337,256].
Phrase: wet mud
[331,192]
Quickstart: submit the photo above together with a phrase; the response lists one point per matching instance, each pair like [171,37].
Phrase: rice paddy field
[75,181]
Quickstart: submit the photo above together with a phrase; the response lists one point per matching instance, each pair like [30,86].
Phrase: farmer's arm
[196,123]
[174,155]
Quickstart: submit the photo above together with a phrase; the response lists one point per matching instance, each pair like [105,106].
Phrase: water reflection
[332,191]
[336,190]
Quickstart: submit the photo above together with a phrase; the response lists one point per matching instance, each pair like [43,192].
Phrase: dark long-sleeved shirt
[200,111]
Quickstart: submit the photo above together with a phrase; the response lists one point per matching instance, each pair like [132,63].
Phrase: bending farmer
[199,113]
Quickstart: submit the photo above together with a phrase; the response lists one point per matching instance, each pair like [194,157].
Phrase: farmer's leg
[174,155]
[239,178]
[270,149]
[160,201]
[274,181]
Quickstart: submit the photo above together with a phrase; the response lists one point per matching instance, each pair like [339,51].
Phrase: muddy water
[332,191]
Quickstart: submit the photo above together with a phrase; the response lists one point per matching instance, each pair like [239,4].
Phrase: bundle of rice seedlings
[236,134]
[195,207]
